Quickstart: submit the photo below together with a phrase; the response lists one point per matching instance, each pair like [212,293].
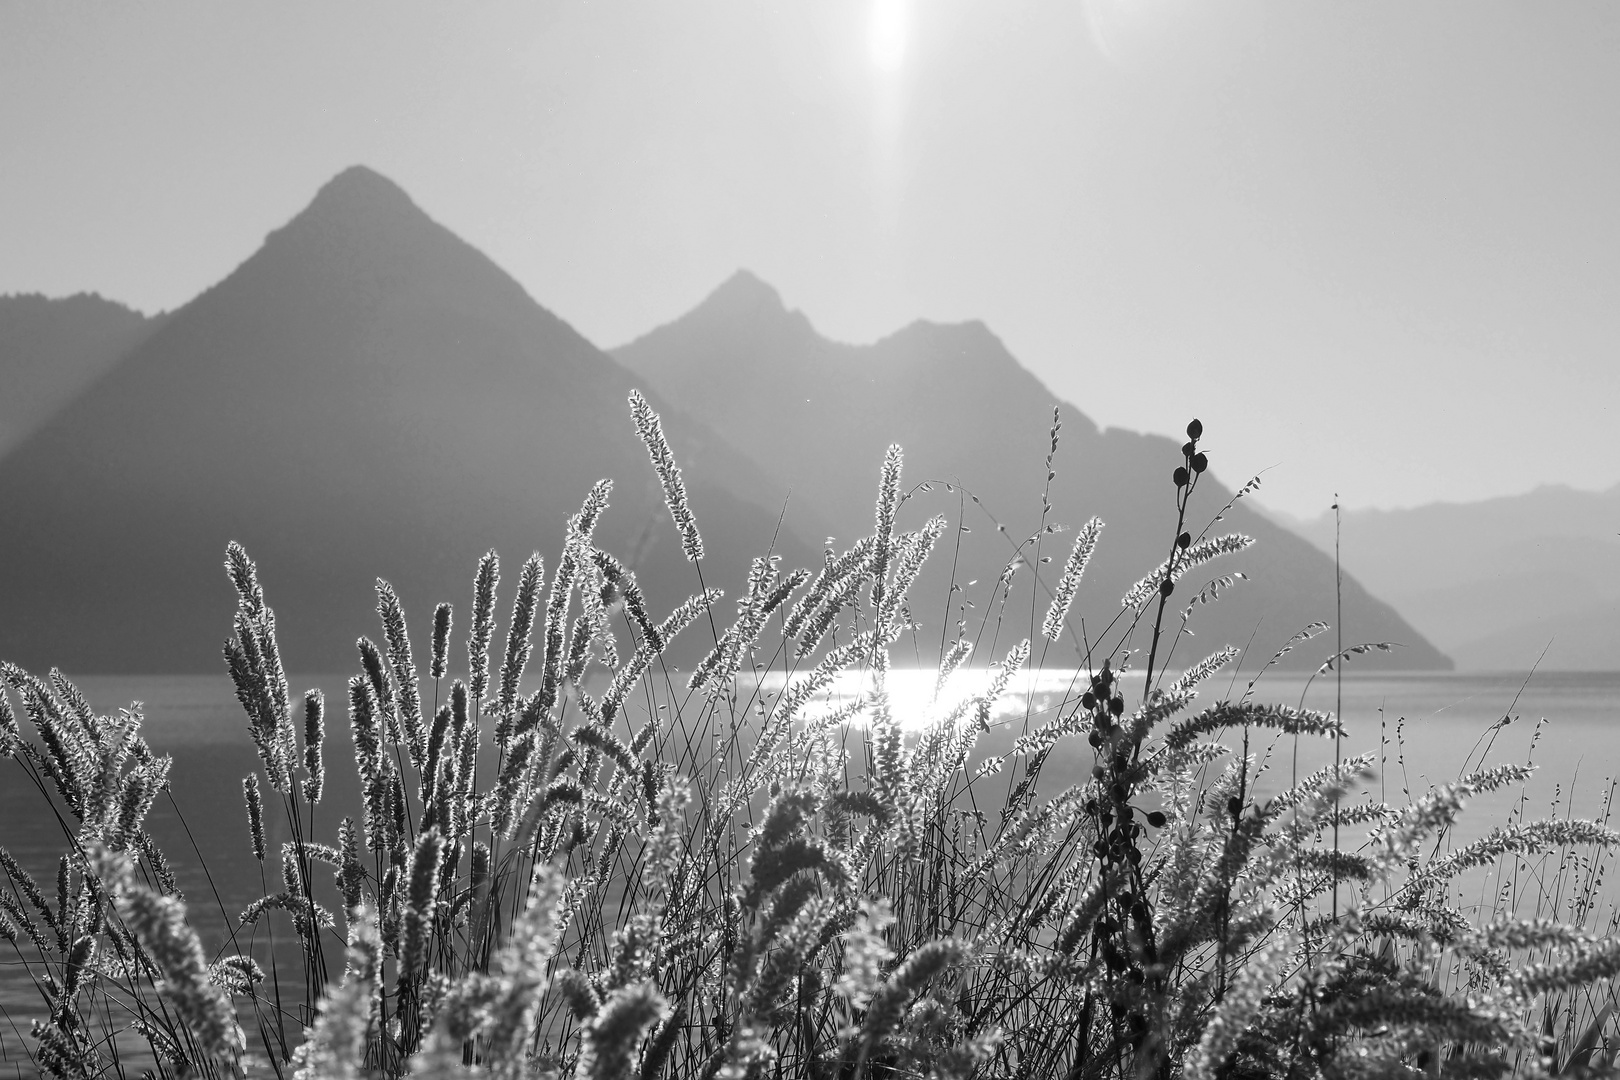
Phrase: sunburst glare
[886,35]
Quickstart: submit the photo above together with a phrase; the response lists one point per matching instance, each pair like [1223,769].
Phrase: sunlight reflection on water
[918,701]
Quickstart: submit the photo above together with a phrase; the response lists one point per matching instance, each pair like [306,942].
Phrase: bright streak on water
[914,702]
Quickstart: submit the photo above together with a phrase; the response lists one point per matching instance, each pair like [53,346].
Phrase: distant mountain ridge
[366,395]
[51,350]
[1500,581]
[817,415]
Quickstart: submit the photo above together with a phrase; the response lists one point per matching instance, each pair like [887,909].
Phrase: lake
[1425,729]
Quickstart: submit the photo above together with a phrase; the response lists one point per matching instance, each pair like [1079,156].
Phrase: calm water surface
[1424,729]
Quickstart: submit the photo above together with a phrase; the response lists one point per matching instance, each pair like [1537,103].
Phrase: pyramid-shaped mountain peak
[744,291]
[743,303]
[362,220]
[820,414]
[359,189]
[362,241]
[366,395]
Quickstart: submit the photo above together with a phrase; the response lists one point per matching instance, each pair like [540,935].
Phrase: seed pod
[1166,587]
[1116,705]
[1088,700]
[1156,819]
[1234,806]
[1180,476]
[1188,449]
[1195,430]
[1184,541]
[1200,462]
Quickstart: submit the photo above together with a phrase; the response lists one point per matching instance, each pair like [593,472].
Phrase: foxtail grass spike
[437,733]
[382,690]
[10,733]
[583,524]
[29,890]
[376,793]
[575,544]
[351,874]
[651,430]
[1069,583]
[66,899]
[314,745]
[517,634]
[613,1037]
[1171,571]
[483,624]
[403,666]
[619,587]
[364,726]
[255,620]
[420,897]
[888,504]
[245,576]
[255,813]
[466,773]
[441,640]
[159,923]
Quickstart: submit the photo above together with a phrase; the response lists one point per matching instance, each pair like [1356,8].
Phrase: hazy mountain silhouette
[50,350]
[367,395]
[818,414]
[1494,582]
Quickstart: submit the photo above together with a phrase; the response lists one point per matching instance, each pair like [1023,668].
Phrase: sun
[886,35]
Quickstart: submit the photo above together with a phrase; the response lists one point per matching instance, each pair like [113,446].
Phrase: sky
[1375,247]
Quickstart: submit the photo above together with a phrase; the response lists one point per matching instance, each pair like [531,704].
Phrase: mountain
[818,414]
[50,350]
[367,395]
[1497,581]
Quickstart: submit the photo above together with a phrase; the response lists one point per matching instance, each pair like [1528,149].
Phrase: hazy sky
[1374,245]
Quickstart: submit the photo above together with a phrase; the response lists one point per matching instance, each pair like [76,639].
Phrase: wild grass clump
[629,871]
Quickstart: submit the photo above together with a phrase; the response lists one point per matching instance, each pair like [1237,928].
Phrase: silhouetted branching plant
[578,861]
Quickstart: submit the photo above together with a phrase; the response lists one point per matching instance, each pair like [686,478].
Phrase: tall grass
[630,871]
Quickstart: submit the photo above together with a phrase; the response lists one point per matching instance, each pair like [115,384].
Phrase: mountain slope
[1494,581]
[365,396]
[50,350]
[1571,639]
[817,414]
